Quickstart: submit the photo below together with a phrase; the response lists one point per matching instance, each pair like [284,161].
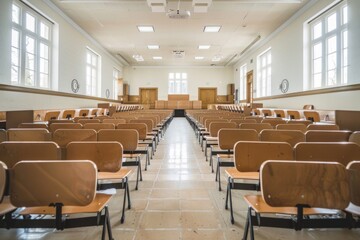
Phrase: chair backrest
[84,112]
[127,137]
[60,121]
[64,136]
[354,177]
[240,121]
[67,114]
[51,115]
[214,127]
[327,136]
[28,134]
[256,126]
[288,126]
[266,112]
[106,155]
[3,182]
[249,156]
[314,184]
[149,123]
[33,125]
[13,152]
[41,183]
[209,121]
[290,136]
[114,121]
[355,137]
[94,112]
[55,126]
[99,126]
[313,116]
[258,119]
[279,113]
[323,127]
[3,135]
[101,118]
[327,152]
[228,137]
[140,127]
[88,120]
[273,121]
[293,114]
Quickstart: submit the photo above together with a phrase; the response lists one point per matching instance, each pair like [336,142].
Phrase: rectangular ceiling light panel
[157,5]
[212,29]
[146,28]
[201,6]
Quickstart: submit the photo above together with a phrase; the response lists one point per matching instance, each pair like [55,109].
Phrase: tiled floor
[178,199]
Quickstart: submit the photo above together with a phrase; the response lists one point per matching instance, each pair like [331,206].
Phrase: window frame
[116,77]
[263,85]
[243,78]
[178,83]
[93,83]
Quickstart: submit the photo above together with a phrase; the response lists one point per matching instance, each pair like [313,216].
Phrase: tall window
[263,81]
[329,48]
[116,76]
[92,72]
[243,70]
[178,83]
[31,45]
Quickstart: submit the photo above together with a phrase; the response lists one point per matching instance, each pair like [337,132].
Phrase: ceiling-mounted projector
[178,14]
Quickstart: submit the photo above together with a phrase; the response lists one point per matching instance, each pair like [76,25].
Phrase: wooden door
[207,96]
[249,87]
[148,96]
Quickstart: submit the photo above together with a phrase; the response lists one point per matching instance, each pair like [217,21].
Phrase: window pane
[30,61]
[332,61]
[269,58]
[15,56]
[94,60]
[29,77]
[30,22]
[184,86]
[14,75]
[184,75]
[317,80]
[317,50]
[15,14]
[171,76]
[44,31]
[30,45]
[345,15]
[177,75]
[44,80]
[345,75]
[44,51]
[44,66]
[331,77]
[332,44]
[15,38]
[317,66]
[345,39]
[345,60]
[331,22]
[88,58]
[317,30]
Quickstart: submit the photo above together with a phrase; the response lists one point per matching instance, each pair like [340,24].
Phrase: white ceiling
[113,23]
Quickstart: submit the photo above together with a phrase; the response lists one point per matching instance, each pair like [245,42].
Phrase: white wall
[70,55]
[289,61]
[142,77]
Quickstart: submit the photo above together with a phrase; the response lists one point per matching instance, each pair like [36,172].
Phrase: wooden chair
[299,127]
[353,169]
[55,126]
[28,134]
[14,152]
[50,190]
[273,121]
[240,121]
[327,136]
[293,114]
[83,121]
[312,116]
[129,139]
[279,113]
[114,121]
[64,136]
[355,137]
[288,189]
[323,127]
[266,112]
[3,135]
[51,115]
[343,153]
[227,140]
[68,114]
[258,119]
[60,121]
[84,112]
[290,136]
[33,125]
[248,157]
[101,118]
[150,127]
[256,126]
[108,158]
[6,207]
[99,126]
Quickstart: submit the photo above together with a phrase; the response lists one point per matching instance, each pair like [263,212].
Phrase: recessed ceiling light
[145,28]
[157,58]
[217,58]
[199,58]
[212,29]
[138,57]
[152,47]
[204,47]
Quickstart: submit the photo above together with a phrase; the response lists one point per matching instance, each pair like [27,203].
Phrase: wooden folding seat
[99,126]
[290,136]
[3,135]
[60,121]
[343,152]
[28,134]
[55,126]
[258,119]
[68,114]
[33,125]
[206,130]
[256,112]
[64,136]
[13,152]
[256,126]
[293,114]
[353,169]
[83,121]
[298,195]
[248,157]
[150,127]
[327,136]
[101,118]
[273,121]
[266,112]
[355,137]
[108,158]
[299,127]
[84,112]
[51,115]
[47,188]
[323,127]
[94,112]
[129,139]
[279,113]
[114,120]
[299,121]
[313,116]
[240,121]
[227,139]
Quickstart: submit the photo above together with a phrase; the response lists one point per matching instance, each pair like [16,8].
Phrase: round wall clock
[107,93]
[284,86]
[75,86]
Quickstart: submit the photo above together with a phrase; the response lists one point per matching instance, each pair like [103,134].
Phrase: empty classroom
[179,119]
